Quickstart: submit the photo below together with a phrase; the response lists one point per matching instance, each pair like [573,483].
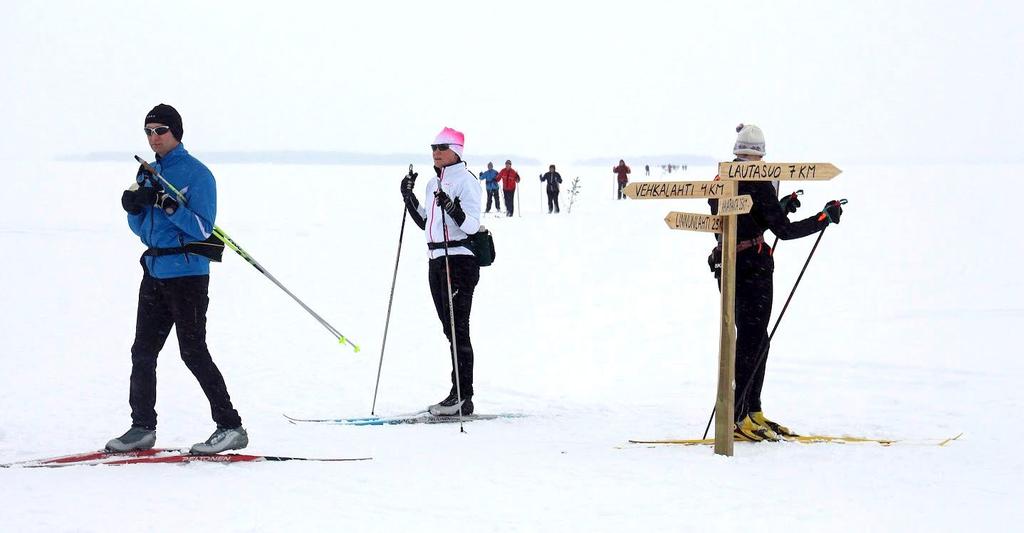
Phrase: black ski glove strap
[167,203]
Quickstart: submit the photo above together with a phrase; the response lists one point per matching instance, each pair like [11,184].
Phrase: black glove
[789,203]
[452,207]
[832,211]
[147,196]
[144,174]
[130,202]
[156,197]
[408,183]
[715,261]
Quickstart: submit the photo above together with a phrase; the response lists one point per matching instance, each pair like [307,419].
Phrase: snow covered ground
[600,325]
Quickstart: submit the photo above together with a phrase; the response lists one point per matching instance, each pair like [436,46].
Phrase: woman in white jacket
[451,215]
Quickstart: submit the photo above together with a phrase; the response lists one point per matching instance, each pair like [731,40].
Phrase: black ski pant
[465,275]
[754,272]
[510,197]
[553,201]
[493,194]
[622,185]
[182,303]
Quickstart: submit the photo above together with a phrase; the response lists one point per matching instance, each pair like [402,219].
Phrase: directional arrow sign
[762,171]
[640,190]
[694,222]
[735,205]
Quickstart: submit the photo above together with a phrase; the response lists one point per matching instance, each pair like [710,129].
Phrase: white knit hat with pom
[749,140]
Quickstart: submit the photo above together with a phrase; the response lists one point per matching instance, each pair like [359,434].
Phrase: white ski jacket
[457,182]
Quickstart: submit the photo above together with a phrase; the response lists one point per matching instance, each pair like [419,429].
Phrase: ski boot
[748,430]
[779,429]
[223,439]
[450,406]
[136,438]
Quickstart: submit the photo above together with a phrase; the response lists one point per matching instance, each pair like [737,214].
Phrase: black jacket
[553,179]
[766,214]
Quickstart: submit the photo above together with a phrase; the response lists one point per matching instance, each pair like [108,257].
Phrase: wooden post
[724,408]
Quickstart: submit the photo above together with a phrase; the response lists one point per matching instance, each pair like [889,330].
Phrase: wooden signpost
[729,206]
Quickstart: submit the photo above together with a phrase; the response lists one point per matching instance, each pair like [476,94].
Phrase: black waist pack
[212,248]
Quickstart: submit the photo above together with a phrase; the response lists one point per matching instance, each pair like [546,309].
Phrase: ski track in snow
[601,325]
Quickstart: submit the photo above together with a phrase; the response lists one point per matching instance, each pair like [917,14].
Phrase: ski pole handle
[149,168]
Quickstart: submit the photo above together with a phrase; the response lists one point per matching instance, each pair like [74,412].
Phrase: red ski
[94,457]
[158,455]
[225,458]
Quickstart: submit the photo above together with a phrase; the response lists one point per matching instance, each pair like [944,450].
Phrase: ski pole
[451,312]
[391,299]
[766,343]
[230,243]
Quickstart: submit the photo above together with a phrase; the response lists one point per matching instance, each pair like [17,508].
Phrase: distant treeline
[299,157]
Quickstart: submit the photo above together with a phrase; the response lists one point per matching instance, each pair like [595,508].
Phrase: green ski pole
[230,243]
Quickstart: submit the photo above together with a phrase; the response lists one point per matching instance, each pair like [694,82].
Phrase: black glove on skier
[156,197]
[452,207]
[408,196]
[147,196]
[142,172]
[789,203]
[715,261]
[832,211]
[130,202]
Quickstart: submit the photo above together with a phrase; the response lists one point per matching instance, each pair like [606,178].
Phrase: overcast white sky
[836,81]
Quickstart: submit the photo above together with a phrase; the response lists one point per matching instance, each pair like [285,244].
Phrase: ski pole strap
[451,244]
[212,249]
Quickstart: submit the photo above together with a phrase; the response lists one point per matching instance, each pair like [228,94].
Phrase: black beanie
[165,114]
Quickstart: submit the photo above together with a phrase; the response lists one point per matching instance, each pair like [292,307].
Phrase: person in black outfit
[754,271]
[554,179]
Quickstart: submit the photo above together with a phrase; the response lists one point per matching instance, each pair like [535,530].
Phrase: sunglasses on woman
[439,147]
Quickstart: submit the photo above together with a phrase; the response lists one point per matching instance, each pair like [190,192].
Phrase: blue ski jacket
[492,179]
[192,221]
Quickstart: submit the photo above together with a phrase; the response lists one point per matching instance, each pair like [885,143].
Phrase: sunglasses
[439,147]
[159,130]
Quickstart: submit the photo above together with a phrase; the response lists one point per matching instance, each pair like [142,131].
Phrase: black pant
[553,201]
[510,197]
[493,194]
[754,272]
[622,185]
[465,275]
[181,302]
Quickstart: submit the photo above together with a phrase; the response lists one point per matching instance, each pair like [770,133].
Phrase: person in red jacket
[622,171]
[509,178]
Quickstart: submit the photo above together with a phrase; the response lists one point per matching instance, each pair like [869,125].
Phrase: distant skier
[491,179]
[554,179]
[754,270]
[647,170]
[452,202]
[622,174]
[509,178]
[175,279]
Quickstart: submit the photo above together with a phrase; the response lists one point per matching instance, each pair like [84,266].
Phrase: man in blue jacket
[175,280]
[491,177]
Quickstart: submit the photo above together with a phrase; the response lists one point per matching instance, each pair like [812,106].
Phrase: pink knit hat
[453,138]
